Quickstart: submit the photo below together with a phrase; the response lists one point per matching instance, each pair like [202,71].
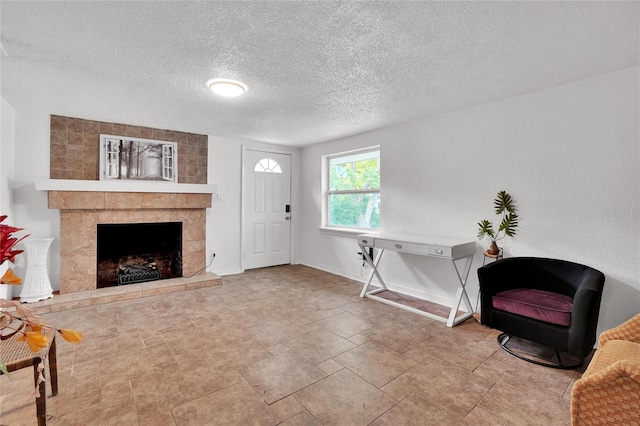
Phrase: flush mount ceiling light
[226,87]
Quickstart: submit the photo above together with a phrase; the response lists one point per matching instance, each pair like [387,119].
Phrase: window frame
[327,192]
[274,170]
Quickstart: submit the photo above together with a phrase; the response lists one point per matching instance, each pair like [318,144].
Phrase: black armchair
[551,302]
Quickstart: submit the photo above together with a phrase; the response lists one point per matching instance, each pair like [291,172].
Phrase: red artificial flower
[7,242]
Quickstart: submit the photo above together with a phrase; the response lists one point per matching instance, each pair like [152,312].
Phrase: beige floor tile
[116,407]
[404,320]
[173,359]
[153,394]
[330,366]
[235,353]
[74,395]
[367,308]
[459,348]
[281,375]
[480,417]
[418,409]
[451,386]
[523,403]
[501,362]
[286,408]
[163,418]
[375,363]
[327,299]
[396,337]
[19,381]
[417,354]
[318,346]
[114,343]
[302,419]
[157,392]
[19,408]
[272,332]
[238,404]
[98,416]
[277,348]
[136,363]
[345,324]
[358,339]
[344,399]
[235,316]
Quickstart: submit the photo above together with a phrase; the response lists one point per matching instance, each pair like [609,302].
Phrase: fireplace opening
[130,253]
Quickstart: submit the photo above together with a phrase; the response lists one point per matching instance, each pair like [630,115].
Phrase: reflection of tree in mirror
[139,159]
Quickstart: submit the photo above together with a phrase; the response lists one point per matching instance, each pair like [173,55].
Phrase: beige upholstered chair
[609,390]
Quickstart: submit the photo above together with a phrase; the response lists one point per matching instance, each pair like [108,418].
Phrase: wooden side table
[16,355]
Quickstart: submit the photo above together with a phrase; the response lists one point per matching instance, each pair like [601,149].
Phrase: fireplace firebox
[130,253]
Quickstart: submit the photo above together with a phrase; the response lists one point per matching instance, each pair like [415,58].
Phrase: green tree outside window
[354,190]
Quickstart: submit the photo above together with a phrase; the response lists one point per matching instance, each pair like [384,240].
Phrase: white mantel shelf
[123,186]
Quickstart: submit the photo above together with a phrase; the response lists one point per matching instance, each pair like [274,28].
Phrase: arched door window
[267,165]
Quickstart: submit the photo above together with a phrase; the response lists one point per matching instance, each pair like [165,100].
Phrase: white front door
[266,194]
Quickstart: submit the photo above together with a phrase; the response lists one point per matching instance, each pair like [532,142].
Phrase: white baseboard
[334,271]
[229,271]
[421,294]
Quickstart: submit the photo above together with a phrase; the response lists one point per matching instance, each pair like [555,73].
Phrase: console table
[451,250]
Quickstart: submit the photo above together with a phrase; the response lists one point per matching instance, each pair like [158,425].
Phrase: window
[267,165]
[167,162]
[353,189]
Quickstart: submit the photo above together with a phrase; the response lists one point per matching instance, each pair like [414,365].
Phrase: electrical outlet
[369,251]
[212,254]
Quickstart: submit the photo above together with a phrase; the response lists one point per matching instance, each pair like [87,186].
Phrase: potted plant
[503,205]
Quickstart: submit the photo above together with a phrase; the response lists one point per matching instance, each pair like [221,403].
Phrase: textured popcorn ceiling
[317,70]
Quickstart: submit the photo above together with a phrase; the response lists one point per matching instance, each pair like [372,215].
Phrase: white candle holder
[36,285]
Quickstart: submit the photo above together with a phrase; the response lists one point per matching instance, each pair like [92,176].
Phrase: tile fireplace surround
[81,211]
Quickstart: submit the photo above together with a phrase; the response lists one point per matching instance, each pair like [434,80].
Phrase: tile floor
[287,345]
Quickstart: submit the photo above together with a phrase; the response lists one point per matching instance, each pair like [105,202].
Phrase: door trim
[294,202]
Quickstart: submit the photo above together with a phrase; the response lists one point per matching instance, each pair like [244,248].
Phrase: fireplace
[129,253]
[84,205]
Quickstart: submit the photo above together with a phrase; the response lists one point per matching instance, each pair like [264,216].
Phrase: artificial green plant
[503,205]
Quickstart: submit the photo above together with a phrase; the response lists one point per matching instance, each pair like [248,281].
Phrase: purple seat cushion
[538,304]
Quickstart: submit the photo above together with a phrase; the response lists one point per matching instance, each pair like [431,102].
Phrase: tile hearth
[63,302]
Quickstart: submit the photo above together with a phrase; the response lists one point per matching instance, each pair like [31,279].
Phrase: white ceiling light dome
[227,87]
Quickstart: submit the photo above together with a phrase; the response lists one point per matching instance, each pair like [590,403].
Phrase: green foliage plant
[503,205]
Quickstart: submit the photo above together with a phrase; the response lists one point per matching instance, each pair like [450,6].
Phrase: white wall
[7,154]
[568,155]
[28,206]
[224,217]
[30,209]
[7,158]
